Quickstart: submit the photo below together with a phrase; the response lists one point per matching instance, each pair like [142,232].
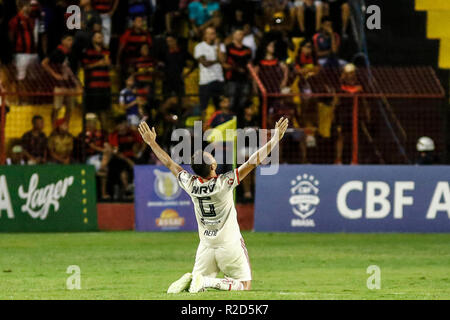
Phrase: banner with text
[49,198]
[160,204]
[321,198]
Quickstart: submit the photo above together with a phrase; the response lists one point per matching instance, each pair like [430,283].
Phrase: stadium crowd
[153,46]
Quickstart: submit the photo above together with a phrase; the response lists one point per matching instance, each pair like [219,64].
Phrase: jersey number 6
[211,213]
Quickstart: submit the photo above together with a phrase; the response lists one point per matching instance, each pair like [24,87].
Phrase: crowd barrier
[322,198]
[47,198]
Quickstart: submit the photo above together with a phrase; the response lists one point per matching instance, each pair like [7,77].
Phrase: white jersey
[214,207]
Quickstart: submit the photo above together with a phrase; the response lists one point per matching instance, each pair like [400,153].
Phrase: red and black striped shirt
[102,6]
[238,57]
[21,29]
[97,77]
[271,74]
[133,40]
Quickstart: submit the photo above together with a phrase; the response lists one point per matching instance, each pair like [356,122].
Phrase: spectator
[57,65]
[278,34]
[306,65]
[251,38]
[97,92]
[60,143]
[172,14]
[210,55]
[144,74]
[238,82]
[21,35]
[339,11]
[139,8]
[106,8]
[89,15]
[204,14]
[425,147]
[124,141]
[272,72]
[127,100]
[132,41]
[34,142]
[222,115]
[326,45]
[17,156]
[309,17]
[97,150]
[174,59]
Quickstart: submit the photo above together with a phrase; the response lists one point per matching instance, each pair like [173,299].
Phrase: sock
[227,284]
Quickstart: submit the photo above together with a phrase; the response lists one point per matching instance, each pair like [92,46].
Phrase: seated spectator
[97,150]
[309,17]
[222,115]
[238,84]
[57,65]
[174,58]
[60,143]
[124,141]
[204,14]
[17,156]
[339,11]
[132,41]
[106,8]
[127,100]
[97,85]
[326,44]
[34,142]
[22,39]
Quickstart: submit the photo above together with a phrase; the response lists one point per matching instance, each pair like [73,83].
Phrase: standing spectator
[97,150]
[278,34]
[309,17]
[57,65]
[97,97]
[21,36]
[238,82]
[124,142]
[127,100]
[204,14]
[132,41]
[272,72]
[106,8]
[174,59]
[210,55]
[145,73]
[251,38]
[60,143]
[326,44]
[306,65]
[34,142]
[339,11]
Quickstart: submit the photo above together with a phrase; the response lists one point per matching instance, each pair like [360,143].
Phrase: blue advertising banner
[321,198]
[160,204]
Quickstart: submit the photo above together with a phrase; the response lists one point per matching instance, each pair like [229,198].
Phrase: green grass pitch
[133,265]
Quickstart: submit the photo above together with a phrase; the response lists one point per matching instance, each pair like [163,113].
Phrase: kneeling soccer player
[222,247]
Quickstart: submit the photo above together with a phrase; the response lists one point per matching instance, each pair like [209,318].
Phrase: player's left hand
[149,136]
[281,127]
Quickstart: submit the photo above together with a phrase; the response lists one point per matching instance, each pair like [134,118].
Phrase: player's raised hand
[281,127]
[148,135]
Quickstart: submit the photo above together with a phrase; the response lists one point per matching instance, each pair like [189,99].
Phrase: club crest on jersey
[166,186]
[304,199]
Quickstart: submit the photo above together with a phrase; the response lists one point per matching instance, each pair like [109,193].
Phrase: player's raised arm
[149,136]
[260,155]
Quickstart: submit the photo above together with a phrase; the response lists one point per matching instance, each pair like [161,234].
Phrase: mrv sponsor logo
[38,200]
[304,199]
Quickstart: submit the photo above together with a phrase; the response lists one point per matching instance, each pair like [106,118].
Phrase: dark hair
[201,169]
[325,19]
[35,118]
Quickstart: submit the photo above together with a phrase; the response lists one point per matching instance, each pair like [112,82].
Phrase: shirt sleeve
[184,179]
[230,180]
[198,51]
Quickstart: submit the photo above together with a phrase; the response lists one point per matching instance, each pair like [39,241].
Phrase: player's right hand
[149,136]
[281,127]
